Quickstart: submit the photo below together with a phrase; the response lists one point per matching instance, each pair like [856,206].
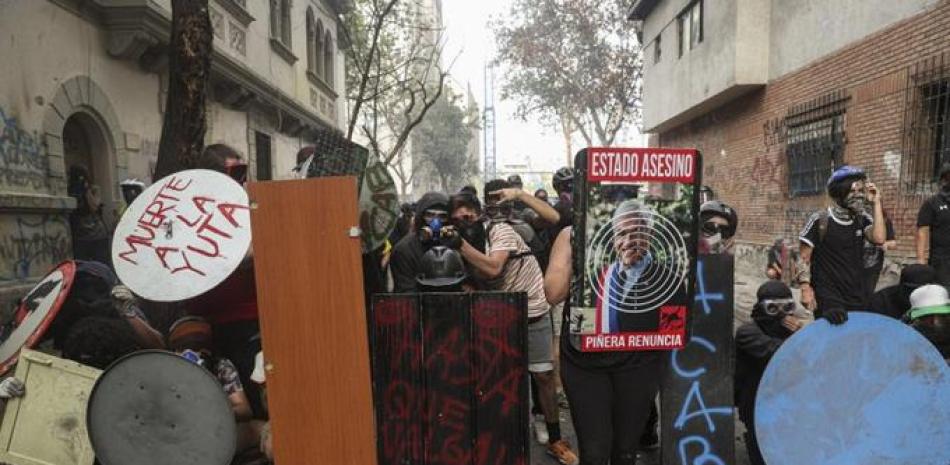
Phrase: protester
[231,307]
[773,321]
[11,387]
[930,316]
[541,195]
[98,341]
[91,237]
[719,222]
[894,301]
[131,188]
[563,182]
[778,256]
[432,212]
[611,393]
[933,229]
[831,262]
[403,224]
[874,256]
[192,337]
[508,265]
[224,159]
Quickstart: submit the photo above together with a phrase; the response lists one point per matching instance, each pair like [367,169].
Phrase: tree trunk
[189,68]
[568,133]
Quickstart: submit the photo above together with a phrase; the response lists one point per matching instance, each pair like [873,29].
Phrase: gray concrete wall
[805,30]
[732,56]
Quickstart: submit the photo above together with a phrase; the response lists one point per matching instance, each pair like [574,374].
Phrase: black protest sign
[635,236]
[697,423]
[450,378]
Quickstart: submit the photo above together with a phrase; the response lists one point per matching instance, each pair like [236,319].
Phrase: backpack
[528,235]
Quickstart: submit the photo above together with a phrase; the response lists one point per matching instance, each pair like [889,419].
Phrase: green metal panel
[47,426]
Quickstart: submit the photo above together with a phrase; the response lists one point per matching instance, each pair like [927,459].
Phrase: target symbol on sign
[637,234]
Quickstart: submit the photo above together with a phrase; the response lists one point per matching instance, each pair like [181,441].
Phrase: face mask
[473,233]
[856,203]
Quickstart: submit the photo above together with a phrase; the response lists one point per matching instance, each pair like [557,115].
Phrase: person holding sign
[611,393]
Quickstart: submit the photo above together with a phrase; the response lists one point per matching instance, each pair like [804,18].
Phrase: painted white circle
[182,236]
[650,234]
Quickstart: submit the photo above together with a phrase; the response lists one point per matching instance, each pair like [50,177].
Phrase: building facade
[777,93]
[85,84]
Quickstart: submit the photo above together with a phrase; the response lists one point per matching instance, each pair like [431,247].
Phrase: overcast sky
[470,39]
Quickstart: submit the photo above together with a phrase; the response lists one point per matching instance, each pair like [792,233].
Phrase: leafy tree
[440,145]
[394,75]
[573,63]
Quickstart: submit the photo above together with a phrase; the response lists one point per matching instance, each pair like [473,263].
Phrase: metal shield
[156,408]
[36,311]
[871,391]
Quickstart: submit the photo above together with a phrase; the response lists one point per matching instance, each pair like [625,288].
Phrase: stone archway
[81,102]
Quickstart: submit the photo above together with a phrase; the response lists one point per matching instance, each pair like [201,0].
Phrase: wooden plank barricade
[450,378]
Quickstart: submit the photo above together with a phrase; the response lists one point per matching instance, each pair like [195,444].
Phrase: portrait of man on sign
[637,249]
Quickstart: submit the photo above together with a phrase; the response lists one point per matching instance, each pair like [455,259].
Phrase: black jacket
[754,349]
[406,261]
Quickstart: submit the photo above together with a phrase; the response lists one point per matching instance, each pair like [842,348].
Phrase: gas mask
[433,220]
[473,232]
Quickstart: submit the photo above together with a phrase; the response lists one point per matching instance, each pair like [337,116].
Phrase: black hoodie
[406,261]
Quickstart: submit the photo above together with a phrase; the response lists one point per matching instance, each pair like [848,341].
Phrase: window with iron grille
[926,122]
[815,136]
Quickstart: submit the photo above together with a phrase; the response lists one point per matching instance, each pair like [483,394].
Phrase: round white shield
[182,236]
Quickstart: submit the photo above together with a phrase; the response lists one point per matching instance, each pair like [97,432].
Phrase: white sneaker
[540,429]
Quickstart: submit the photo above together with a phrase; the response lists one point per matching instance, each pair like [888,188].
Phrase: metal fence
[815,135]
[926,141]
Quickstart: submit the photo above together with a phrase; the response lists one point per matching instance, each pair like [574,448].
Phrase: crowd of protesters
[515,241]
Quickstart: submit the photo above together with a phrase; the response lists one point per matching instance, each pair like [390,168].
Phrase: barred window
[926,122]
[814,143]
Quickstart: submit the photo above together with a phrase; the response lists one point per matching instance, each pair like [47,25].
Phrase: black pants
[942,266]
[610,409]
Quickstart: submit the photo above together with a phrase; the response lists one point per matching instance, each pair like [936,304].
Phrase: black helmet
[441,267]
[515,181]
[718,208]
[563,179]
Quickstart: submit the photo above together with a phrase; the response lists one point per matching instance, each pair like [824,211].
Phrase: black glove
[451,238]
[835,316]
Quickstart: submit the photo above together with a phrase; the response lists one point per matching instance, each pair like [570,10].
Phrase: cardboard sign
[47,426]
[870,391]
[697,420]
[37,310]
[635,248]
[183,236]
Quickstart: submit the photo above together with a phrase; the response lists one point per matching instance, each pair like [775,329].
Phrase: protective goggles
[711,229]
[776,307]
[237,171]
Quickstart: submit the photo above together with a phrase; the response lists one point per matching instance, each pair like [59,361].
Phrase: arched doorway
[88,157]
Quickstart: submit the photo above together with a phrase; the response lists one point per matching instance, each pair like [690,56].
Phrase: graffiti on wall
[23,161]
[32,244]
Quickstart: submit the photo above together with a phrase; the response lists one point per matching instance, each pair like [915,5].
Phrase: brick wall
[747,167]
